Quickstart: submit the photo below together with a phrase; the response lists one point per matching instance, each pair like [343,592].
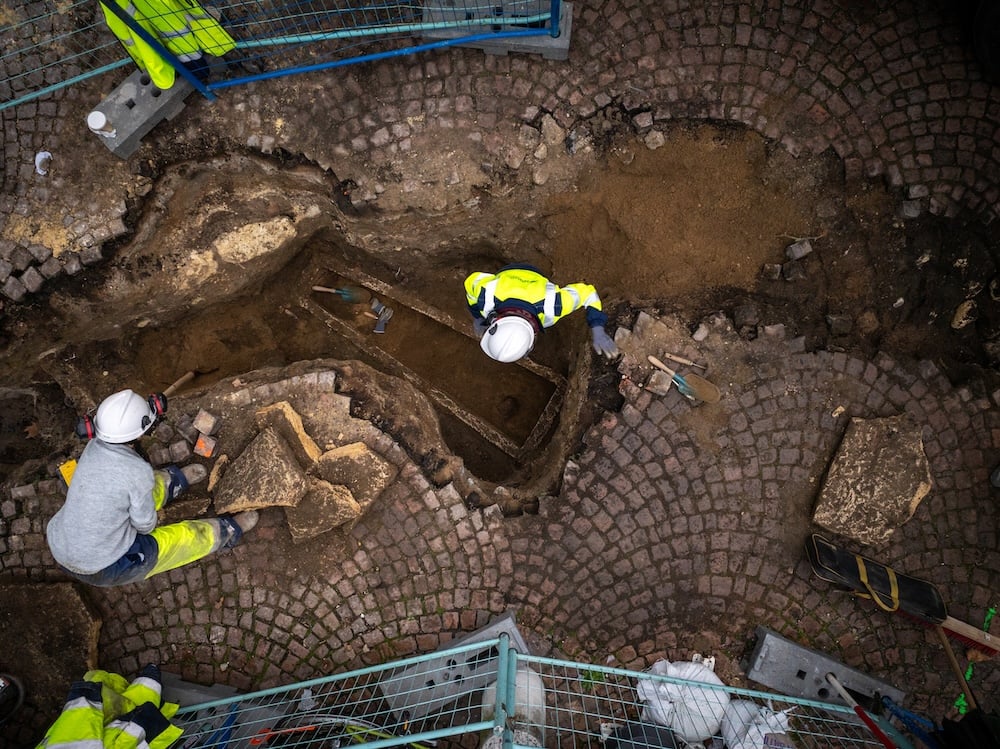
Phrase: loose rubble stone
[205,422]
[286,421]
[324,507]
[264,475]
[355,466]
[180,451]
[793,271]
[552,133]
[771,271]
[876,480]
[6,268]
[798,250]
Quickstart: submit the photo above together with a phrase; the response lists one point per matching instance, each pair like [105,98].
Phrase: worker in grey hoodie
[106,532]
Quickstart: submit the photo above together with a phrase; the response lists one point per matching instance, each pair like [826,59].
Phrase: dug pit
[217,279]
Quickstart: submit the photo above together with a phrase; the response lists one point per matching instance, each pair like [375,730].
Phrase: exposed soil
[687,228]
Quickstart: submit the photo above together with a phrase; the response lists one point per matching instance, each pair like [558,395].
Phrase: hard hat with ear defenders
[511,334]
[123,417]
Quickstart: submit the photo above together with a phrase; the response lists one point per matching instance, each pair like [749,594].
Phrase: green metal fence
[486,693]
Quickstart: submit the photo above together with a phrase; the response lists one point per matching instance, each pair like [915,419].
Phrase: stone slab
[876,480]
[364,472]
[266,474]
[324,507]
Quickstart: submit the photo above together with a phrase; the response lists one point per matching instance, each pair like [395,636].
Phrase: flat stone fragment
[266,474]
[287,422]
[362,471]
[324,507]
[876,480]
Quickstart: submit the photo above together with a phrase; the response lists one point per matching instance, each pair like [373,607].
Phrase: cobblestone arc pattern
[665,540]
[893,90]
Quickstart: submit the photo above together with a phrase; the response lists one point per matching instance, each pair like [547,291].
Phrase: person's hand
[479,326]
[603,344]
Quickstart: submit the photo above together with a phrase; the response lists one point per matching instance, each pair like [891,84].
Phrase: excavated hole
[495,417]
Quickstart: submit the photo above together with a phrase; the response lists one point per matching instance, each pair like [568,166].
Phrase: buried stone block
[324,507]
[877,479]
[286,421]
[264,475]
[362,471]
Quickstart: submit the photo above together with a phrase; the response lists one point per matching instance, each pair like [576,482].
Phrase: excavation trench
[497,418]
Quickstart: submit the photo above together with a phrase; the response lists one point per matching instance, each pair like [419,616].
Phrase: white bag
[745,724]
[694,713]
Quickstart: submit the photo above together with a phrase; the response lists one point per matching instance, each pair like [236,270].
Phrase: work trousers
[166,548]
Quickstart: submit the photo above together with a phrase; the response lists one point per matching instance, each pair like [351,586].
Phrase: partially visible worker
[104,711]
[182,27]
[106,532]
[512,307]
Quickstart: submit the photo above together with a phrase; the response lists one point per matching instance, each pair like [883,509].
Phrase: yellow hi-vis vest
[182,26]
[484,292]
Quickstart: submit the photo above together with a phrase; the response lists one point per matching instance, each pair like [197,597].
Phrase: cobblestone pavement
[663,540]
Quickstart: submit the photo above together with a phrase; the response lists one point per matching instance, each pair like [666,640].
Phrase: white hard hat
[123,417]
[508,339]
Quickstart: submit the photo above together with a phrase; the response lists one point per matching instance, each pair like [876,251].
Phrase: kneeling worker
[106,534]
[512,307]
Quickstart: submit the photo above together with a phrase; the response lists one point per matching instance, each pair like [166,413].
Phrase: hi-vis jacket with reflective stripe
[182,26]
[525,287]
[106,712]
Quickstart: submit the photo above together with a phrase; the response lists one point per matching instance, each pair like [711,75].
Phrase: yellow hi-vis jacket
[104,711]
[182,26]
[523,286]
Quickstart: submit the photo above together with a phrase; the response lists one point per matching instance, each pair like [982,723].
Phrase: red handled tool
[877,732]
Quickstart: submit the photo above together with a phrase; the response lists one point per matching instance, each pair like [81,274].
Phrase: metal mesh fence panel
[487,694]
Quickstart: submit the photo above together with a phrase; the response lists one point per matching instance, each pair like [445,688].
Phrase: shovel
[349,294]
[691,386]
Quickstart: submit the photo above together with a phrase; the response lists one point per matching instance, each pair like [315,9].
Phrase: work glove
[603,344]
[479,326]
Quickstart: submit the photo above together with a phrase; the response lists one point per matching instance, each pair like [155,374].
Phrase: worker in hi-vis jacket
[106,533]
[512,307]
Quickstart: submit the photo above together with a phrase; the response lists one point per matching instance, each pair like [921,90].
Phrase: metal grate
[528,702]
